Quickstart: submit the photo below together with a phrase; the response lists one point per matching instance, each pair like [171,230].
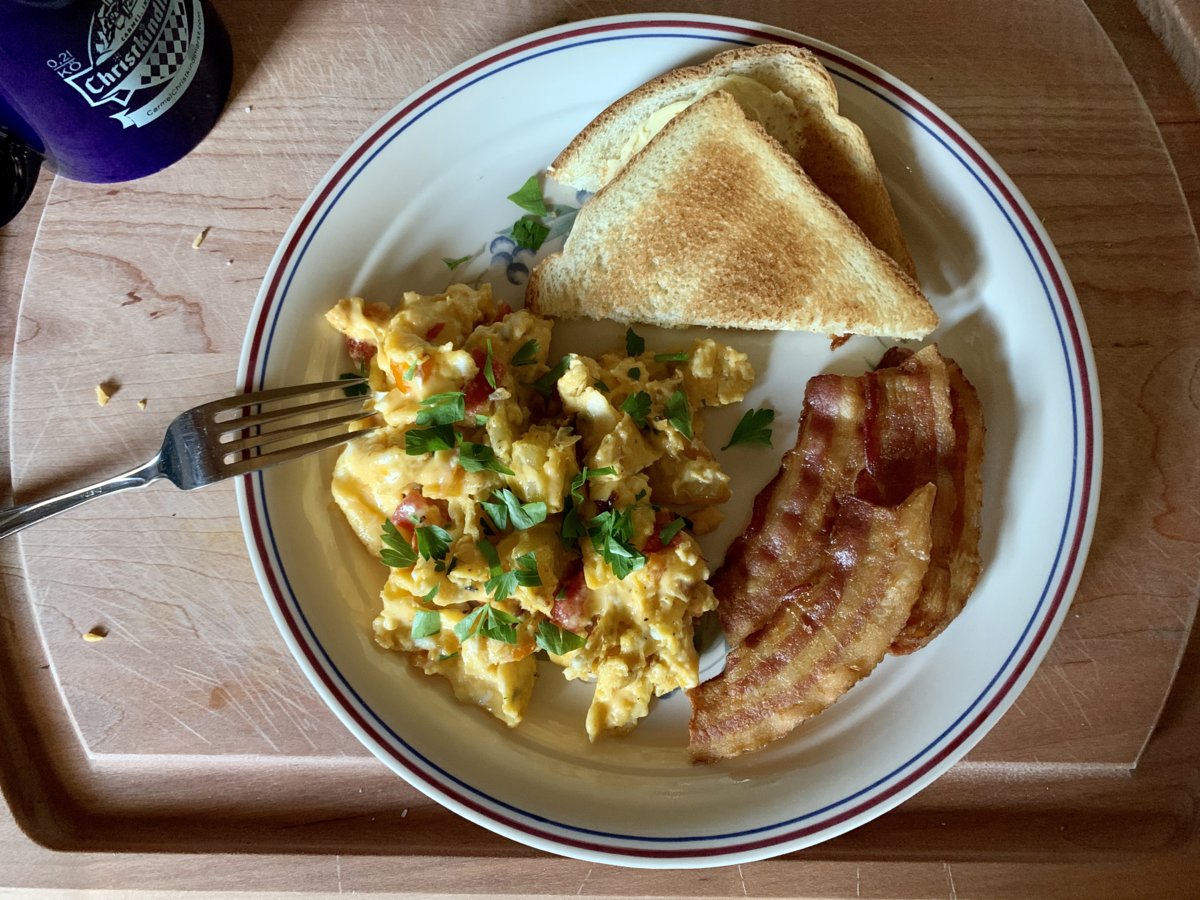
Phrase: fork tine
[283,393]
[287,412]
[279,434]
[255,463]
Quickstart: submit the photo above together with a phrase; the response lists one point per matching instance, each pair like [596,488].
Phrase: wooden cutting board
[189,729]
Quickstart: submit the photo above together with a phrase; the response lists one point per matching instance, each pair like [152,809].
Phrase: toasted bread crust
[713,223]
[831,149]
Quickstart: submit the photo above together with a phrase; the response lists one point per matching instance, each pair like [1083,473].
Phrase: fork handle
[18,517]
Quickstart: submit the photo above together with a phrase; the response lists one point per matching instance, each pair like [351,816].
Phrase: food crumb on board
[102,395]
[199,239]
[404,813]
[97,634]
[249,109]
[142,403]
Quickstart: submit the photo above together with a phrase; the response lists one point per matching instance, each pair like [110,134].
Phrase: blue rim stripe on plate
[1077,505]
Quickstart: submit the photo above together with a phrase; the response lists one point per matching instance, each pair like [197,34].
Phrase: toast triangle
[712,223]
[783,88]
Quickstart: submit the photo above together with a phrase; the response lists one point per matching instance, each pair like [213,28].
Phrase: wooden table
[186,751]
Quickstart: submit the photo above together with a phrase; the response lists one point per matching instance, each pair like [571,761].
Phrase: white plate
[429,181]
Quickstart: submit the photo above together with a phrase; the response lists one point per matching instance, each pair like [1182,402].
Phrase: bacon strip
[877,441]
[955,563]
[916,420]
[825,635]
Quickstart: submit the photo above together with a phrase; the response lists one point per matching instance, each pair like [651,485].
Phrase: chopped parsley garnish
[682,356]
[635,373]
[585,474]
[481,419]
[428,440]
[667,533]
[572,526]
[557,640]
[453,264]
[433,542]
[490,622]
[526,355]
[412,371]
[638,407]
[354,390]
[635,344]
[501,584]
[529,233]
[425,623]
[755,428]
[601,386]
[548,382]
[530,198]
[477,457]
[506,507]
[612,534]
[680,414]
[442,409]
[433,592]
[489,370]
[397,552]
[527,571]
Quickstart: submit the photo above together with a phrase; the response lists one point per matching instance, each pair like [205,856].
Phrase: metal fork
[205,444]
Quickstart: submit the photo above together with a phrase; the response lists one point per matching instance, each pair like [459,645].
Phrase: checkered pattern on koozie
[168,53]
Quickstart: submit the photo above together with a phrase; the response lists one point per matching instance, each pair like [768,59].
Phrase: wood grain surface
[190,730]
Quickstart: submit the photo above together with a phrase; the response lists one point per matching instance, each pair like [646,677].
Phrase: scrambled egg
[527,505]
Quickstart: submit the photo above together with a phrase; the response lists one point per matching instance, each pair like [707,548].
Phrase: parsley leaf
[490,556]
[612,533]
[501,583]
[572,525]
[667,533]
[467,625]
[428,440]
[682,356]
[638,407]
[433,542]
[755,428]
[527,571]
[397,552]
[412,371]
[526,355]
[453,264]
[499,625]
[635,344]
[586,474]
[489,371]
[506,507]
[530,198]
[572,528]
[549,382]
[442,409]
[680,414]
[425,623]
[528,232]
[354,390]
[477,457]
[601,386]
[635,373]
[557,640]
[433,592]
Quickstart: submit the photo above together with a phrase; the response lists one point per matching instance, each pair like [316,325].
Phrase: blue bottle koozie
[107,90]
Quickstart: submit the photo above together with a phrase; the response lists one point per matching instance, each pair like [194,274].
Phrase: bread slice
[714,224]
[787,91]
